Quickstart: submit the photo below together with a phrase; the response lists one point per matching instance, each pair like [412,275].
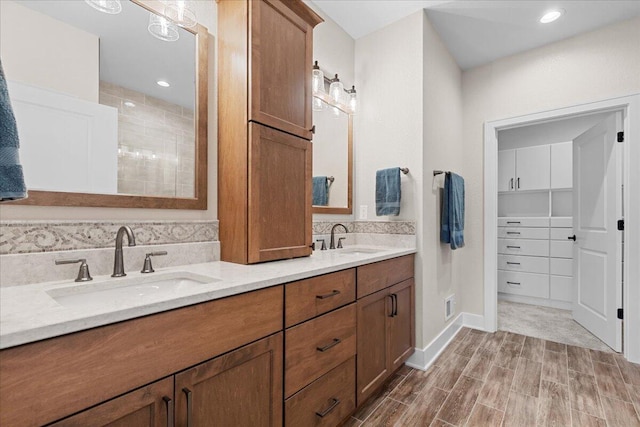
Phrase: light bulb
[317,82]
[111,7]
[336,89]
[163,29]
[318,105]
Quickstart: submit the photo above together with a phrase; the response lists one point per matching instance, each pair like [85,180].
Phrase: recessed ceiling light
[551,16]
[163,83]
[129,104]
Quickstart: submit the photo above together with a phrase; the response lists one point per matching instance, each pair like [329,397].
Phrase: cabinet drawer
[523,222]
[561,266]
[523,232]
[380,275]
[315,347]
[561,288]
[523,247]
[527,264]
[562,221]
[325,402]
[561,249]
[561,233]
[312,297]
[527,284]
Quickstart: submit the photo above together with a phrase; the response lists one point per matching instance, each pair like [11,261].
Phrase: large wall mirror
[108,113]
[332,157]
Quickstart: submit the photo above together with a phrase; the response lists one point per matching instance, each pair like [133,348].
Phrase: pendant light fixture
[180,13]
[317,82]
[112,7]
[163,29]
[336,89]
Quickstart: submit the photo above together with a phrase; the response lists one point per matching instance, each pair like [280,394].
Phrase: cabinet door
[279,195]
[150,406]
[240,388]
[533,166]
[562,165]
[373,364]
[281,66]
[401,324]
[506,170]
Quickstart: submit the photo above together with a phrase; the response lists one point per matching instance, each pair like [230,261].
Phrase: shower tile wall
[156,143]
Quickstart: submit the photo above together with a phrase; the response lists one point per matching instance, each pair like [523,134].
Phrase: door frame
[630,108]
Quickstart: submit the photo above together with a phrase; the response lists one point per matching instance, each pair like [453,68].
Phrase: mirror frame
[199,201]
[348,210]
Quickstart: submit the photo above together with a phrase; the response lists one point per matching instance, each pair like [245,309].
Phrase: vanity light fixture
[112,7]
[551,16]
[336,89]
[163,83]
[318,79]
[353,100]
[179,12]
[163,29]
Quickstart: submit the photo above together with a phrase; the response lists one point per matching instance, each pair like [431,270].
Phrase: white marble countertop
[29,313]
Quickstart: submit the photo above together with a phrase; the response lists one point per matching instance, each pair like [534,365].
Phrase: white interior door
[597,252]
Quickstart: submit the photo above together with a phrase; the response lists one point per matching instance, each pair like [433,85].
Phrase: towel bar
[438,172]
[404,170]
[330,179]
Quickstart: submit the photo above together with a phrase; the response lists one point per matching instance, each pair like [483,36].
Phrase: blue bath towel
[452,224]
[388,192]
[12,186]
[320,191]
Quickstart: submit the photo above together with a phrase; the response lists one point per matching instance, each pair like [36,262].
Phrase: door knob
[572,238]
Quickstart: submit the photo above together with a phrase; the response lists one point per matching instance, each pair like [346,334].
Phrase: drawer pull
[188,393]
[169,404]
[513,232]
[514,283]
[513,263]
[513,247]
[334,343]
[513,222]
[335,402]
[332,294]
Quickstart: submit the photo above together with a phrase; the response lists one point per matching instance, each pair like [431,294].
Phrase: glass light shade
[163,29]
[336,89]
[353,99]
[111,7]
[179,12]
[318,81]
[318,105]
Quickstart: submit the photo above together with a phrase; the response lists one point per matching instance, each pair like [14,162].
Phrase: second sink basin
[355,250]
[128,288]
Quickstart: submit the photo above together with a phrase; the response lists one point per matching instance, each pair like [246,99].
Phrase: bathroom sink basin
[129,288]
[355,250]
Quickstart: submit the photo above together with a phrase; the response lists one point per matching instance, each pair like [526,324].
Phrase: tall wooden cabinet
[264,130]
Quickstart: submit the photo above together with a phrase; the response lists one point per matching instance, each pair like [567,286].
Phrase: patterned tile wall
[371,227]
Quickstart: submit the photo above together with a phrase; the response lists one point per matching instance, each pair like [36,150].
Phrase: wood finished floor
[507,379]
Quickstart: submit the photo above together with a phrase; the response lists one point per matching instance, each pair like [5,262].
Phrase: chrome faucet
[118,262]
[332,243]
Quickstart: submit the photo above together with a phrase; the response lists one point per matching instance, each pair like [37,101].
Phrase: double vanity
[295,342]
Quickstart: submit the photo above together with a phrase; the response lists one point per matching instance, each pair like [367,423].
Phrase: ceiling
[476,31]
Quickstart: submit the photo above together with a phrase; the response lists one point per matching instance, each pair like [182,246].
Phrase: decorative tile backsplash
[374,227]
[48,236]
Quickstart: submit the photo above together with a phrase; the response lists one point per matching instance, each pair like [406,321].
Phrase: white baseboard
[423,358]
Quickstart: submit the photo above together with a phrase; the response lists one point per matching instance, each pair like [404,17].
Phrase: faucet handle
[340,242]
[83,273]
[147,267]
[324,244]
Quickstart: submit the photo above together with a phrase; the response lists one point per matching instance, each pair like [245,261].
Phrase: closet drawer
[523,247]
[523,222]
[523,233]
[561,266]
[561,249]
[562,221]
[561,288]
[561,233]
[526,284]
[527,264]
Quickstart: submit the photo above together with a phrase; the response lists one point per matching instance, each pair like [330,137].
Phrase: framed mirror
[108,113]
[332,157]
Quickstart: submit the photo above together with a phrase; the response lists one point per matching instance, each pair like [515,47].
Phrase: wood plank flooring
[507,379]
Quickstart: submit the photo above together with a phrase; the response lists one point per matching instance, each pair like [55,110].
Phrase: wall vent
[449,307]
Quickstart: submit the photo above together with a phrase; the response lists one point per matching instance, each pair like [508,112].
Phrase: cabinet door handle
[335,402]
[513,232]
[513,263]
[332,294]
[513,222]
[513,247]
[511,183]
[514,283]
[170,408]
[313,129]
[395,304]
[392,305]
[518,185]
[188,394]
[333,343]
[572,238]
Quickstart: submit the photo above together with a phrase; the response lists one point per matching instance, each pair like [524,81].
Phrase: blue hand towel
[320,191]
[388,192]
[12,186]
[452,224]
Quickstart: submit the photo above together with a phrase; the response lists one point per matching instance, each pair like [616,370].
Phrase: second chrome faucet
[118,262]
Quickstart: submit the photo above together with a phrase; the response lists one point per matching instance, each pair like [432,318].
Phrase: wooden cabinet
[241,388]
[386,325]
[264,110]
[150,406]
[524,169]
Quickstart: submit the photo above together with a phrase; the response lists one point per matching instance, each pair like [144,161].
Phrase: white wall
[49,54]
[207,16]
[598,65]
